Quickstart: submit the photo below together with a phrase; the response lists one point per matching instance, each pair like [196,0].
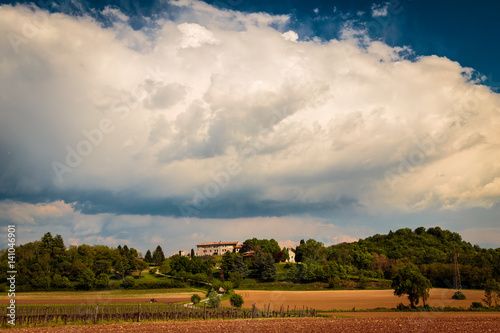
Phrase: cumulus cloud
[123,121]
[379,10]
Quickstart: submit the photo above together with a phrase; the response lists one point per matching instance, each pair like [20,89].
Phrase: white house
[215,248]
[291,255]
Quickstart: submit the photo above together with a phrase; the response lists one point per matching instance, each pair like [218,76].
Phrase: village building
[291,255]
[216,248]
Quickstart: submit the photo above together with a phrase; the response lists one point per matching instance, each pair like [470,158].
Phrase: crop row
[33,315]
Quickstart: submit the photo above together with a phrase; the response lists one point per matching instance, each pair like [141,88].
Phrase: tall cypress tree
[148,257]
[158,255]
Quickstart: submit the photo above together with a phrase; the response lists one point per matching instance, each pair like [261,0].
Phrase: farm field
[111,296]
[382,324]
[348,299]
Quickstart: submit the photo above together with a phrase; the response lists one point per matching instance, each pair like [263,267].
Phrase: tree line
[47,264]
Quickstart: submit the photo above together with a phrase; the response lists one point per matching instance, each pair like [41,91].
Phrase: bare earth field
[98,297]
[348,299]
[382,324]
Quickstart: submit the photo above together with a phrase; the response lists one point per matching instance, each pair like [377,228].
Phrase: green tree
[165,267]
[158,255]
[239,266]
[236,300]
[227,285]
[214,299]
[141,265]
[102,266]
[264,263]
[270,246]
[128,282]
[309,250]
[491,292]
[192,253]
[236,278]
[285,253]
[148,257]
[102,281]
[409,281]
[227,262]
[195,298]
[86,279]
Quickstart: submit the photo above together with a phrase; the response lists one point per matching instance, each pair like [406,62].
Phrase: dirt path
[306,325]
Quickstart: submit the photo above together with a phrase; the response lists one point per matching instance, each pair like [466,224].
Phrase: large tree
[141,265]
[264,265]
[158,255]
[409,281]
[148,257]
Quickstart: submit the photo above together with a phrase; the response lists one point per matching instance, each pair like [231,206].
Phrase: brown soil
[348,299]
[386,324]
[94,300]
[100,297]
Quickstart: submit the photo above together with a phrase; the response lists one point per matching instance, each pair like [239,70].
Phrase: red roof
[218,243]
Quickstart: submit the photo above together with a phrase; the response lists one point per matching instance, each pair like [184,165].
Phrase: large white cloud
[342,124]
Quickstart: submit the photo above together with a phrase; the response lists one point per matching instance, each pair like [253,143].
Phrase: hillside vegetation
[368,263]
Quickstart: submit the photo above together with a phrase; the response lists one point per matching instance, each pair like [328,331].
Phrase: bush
[214,299]
[236,300]
[458,295]
[227,285]
[334,282]
[476,305]
[401,307]
[363,282]
[128,282]
[102,281]
[195,299]
[216,284]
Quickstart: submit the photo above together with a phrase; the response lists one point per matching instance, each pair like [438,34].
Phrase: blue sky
[180,122]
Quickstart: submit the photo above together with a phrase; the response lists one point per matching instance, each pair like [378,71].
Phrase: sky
[174,123]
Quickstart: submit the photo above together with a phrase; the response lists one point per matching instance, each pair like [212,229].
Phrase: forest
[48,264]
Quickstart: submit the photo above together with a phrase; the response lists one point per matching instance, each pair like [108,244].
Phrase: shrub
[128,282]
[216,284]
[334,282]
[102,281]
[401,307]
[476,305]
[195,299]
[227,285]
[236,300]
[213,299]
[209,291]
[363,282]
[458,295]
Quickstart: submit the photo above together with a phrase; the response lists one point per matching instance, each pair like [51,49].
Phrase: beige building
[291,255]
[215,248]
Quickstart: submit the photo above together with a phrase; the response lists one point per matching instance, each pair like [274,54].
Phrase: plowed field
[97,297]
[382,324]
[348,299]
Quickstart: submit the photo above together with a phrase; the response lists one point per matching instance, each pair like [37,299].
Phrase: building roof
[218,243]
